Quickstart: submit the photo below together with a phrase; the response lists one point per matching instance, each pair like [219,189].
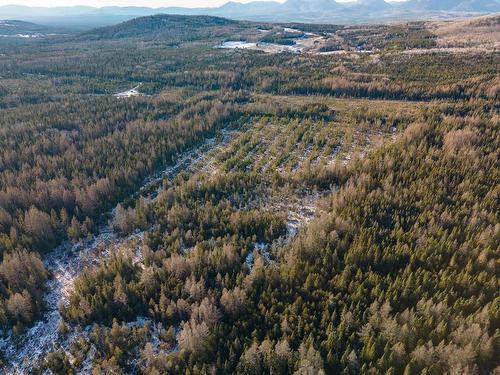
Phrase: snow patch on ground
[130,93]
[260,46]
[68,260]
[25,36]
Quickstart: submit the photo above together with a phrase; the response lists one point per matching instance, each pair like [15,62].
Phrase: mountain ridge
[453,5]
[158,25]
[323,11]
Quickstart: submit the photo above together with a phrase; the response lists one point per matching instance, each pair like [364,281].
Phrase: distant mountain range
[454,5]
[317,11]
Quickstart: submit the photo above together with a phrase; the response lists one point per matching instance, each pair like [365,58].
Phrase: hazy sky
[100,3]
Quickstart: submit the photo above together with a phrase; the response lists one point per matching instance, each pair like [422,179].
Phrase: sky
[101,3]
[149,3]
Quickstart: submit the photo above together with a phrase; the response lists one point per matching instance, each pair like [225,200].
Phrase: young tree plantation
[269,199]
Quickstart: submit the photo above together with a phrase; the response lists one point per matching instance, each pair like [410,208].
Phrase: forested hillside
[328,209]
[398,275]
[182,27]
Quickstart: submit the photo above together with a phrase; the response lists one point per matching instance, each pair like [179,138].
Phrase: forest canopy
[249,212]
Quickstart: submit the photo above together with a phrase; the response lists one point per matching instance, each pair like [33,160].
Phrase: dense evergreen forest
[341,217]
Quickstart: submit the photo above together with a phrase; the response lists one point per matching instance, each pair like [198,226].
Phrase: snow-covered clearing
[130,93]
[260,46]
